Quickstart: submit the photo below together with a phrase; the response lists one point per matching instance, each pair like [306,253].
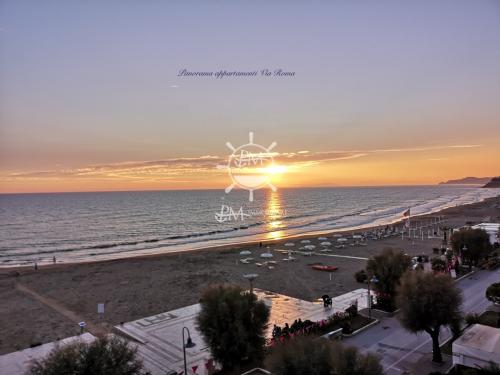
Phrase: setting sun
[275,169]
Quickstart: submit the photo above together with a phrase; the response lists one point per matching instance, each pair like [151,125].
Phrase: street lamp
[188,344]
[464,251]
[372,280]
[251,277]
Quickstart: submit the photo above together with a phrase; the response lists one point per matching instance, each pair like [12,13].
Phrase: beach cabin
[477,347]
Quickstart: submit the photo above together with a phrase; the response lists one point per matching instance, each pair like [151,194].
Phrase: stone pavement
[159,337]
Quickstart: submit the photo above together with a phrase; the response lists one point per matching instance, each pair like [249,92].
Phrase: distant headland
[494,183]
[468,181]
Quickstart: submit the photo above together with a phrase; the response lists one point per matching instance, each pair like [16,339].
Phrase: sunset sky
[384,92]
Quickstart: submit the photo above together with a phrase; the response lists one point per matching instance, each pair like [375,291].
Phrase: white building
[477,347]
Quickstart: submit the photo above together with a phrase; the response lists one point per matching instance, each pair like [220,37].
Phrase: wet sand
[62,294]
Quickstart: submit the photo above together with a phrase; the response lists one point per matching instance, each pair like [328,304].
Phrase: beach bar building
[477,347]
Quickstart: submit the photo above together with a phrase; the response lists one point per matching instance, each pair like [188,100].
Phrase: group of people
[298,326]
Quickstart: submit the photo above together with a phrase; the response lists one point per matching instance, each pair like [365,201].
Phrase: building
[477,347]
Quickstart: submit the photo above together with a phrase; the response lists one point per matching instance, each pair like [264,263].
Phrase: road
[402,352]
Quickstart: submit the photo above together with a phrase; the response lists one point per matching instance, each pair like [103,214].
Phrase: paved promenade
[159,337]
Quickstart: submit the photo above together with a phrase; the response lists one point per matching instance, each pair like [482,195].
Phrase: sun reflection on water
[274,215]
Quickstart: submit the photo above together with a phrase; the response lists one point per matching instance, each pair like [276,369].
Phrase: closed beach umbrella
[266,255]
[245,252]
[289,244]
[305,241]
[325,243]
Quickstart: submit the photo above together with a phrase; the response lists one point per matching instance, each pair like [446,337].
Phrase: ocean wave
[356,211]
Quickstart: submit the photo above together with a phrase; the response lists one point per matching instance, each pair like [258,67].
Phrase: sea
[77,227]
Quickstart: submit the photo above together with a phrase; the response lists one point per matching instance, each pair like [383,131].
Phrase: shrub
[317,356]
[493,293]
[103,356]
[361,276]
[352,311]
[347,328]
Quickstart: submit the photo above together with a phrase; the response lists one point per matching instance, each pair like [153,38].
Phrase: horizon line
[212,189]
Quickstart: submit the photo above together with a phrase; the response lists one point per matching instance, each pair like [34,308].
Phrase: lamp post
[188,344]
[372,280]
[464,251]
[251,277]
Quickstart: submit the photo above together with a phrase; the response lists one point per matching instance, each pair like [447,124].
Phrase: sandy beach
[43,305]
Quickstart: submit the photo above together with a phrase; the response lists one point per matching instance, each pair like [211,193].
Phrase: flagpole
[409,223]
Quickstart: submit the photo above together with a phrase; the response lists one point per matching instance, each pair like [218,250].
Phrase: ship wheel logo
[248,165]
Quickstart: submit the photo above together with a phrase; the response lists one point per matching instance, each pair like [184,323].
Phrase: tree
[233,324]
[477,242]
[316,356]
[360,276]
[493,293]
[103,356]
[428,302]
[388,267]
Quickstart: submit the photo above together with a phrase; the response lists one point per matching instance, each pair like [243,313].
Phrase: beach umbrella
[266,255]
[337,235]
[325,243]
[357,236]
[289,244]
[322,238]
[309,247]
[245,252]
[342,240]
[305,241]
